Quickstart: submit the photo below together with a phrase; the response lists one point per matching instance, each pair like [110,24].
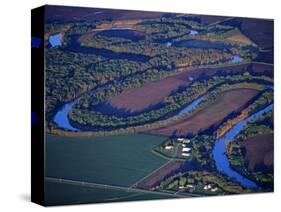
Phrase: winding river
[221,160]
[219,150]
[61,117]
[62,120]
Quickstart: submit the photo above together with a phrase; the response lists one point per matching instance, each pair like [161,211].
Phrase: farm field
[157,177]
[259,151]
[90,14]
[136,100]
[211,19]
[264,38]
[63,194]
[118,160]
[226,103]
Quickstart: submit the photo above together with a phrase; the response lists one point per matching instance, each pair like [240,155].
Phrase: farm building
[186,149]
[168,147]
[183,140]
[185,154]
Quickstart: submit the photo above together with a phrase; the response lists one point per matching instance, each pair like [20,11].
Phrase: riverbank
[219,150]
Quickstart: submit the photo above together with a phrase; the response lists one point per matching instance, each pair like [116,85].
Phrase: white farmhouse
[168,147]
[183,140]
[185,154]
[186,149]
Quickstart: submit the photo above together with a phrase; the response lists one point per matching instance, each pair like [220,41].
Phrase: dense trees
[94,78]
[195,181]
[85,114]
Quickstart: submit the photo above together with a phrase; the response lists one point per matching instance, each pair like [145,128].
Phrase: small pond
[236,59]
[55,40]
[193,32]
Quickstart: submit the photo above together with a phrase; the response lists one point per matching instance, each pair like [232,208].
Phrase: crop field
[90,14]
[263,38]
[259,151]
[225,104]
[150,94]
[265,35]
[58,194]
[119,160]
[206,19]
[157,177]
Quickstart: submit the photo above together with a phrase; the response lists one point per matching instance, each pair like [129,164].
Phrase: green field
[115,160]
[57,194]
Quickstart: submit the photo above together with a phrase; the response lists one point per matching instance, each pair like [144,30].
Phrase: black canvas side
[37,105]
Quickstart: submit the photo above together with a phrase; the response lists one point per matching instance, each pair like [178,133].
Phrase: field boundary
[106,186]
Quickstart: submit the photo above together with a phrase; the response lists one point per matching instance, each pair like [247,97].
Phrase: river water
[219,150]
[191,106]
[55,40]
[61,117]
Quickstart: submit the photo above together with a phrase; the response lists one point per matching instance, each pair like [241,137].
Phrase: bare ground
[259,151]
[152,93]
[158,176]
[225,104]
